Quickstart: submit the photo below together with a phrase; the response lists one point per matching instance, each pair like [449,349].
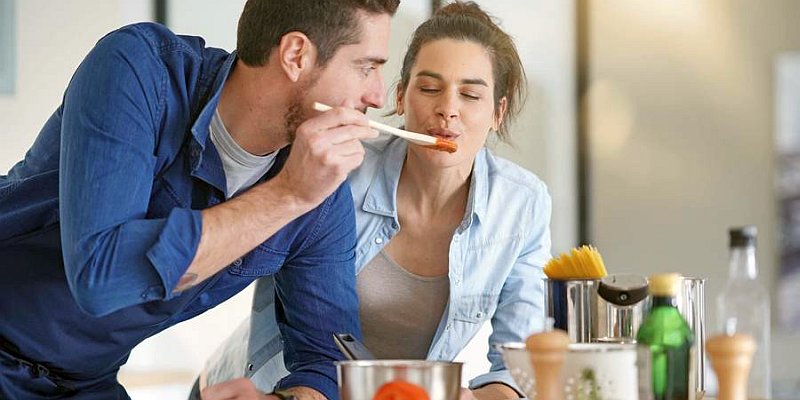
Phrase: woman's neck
[432,194]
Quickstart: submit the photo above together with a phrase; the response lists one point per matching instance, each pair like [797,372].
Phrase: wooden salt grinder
[548,351]
[731,357]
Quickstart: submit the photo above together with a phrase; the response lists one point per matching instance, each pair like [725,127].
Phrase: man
[163,185]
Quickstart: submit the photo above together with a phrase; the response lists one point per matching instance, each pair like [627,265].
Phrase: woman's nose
[447,106]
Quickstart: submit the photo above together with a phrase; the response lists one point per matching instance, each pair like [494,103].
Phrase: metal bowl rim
[579,347]
[398,363]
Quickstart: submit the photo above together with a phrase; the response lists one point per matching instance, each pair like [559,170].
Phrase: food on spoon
[445,145]
[400,390]
[444,139]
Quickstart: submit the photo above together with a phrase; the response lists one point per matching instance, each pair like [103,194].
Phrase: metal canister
[692,305]
[361,379]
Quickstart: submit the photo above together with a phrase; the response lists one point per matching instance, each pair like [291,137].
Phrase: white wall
[52,38]
[545,135]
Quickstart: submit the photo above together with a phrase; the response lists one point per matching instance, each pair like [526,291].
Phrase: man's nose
[375,96]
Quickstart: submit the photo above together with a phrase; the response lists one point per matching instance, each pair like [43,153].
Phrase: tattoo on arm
[187,280]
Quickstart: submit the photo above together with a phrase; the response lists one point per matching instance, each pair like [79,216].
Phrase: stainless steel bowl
[359,380]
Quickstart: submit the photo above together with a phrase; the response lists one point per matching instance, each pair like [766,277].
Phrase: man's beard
[297,114]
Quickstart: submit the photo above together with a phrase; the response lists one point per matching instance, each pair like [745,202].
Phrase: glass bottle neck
[743,263]
[665,301]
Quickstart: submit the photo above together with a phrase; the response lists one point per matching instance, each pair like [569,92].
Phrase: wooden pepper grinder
[731,357]
[547,351]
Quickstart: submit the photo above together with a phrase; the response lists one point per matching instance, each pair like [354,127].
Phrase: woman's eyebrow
[438,76]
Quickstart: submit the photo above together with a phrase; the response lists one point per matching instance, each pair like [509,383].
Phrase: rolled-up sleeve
[114,255]
[316,297]
[520,309]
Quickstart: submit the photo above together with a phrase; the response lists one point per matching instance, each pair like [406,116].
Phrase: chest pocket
[165,197]
[259,262]
[475,309]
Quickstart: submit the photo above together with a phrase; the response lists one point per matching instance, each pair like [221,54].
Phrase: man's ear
[296,54]
[399,99]
[499,114]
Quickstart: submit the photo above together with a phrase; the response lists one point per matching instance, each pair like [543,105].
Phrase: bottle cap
[664,285]
[744,236]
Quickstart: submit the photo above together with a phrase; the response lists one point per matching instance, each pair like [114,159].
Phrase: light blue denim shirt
[496,259]
[496,254]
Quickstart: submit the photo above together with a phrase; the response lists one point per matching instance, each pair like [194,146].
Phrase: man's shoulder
[158,40]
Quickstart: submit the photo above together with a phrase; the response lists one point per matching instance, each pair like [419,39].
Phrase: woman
[448,241]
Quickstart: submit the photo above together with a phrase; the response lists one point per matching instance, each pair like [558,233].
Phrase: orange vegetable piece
[400,390]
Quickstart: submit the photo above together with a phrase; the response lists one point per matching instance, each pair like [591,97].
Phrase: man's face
[352,78]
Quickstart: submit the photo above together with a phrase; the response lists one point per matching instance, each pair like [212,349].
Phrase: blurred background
[656,124]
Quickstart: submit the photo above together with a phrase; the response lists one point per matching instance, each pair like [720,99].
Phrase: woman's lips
[443,133]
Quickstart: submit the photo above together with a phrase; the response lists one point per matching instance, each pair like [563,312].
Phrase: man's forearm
[237,226]
[306,393]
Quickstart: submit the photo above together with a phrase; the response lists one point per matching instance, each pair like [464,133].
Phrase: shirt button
[237,262]
[447,328]
[394,225]
[457,281]
[151,292]
[479,315]
[204,299]
[378,240]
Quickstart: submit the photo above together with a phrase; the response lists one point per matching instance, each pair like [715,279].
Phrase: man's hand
[326,148]
[236,389]
[244,389]
[466,394]
[492,391]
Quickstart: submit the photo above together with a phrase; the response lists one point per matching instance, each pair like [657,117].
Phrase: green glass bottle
[670,340]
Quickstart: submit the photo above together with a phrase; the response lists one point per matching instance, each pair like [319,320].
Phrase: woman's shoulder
[506,175]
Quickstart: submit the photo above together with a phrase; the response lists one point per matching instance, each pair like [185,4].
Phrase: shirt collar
[381,195]
[478,199]
[205,162]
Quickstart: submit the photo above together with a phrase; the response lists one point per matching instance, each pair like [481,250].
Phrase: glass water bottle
[743,307]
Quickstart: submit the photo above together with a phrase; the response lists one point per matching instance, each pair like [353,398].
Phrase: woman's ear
[499,114]
[400,99]
[297,55]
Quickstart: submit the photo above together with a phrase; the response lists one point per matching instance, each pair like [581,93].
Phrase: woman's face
[450,95]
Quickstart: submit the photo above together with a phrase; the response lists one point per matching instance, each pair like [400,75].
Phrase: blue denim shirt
[497,256]
[102,218]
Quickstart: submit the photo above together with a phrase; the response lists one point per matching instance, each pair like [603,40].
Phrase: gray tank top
[399,311]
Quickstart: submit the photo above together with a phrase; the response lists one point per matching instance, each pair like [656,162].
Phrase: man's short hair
[329,24]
